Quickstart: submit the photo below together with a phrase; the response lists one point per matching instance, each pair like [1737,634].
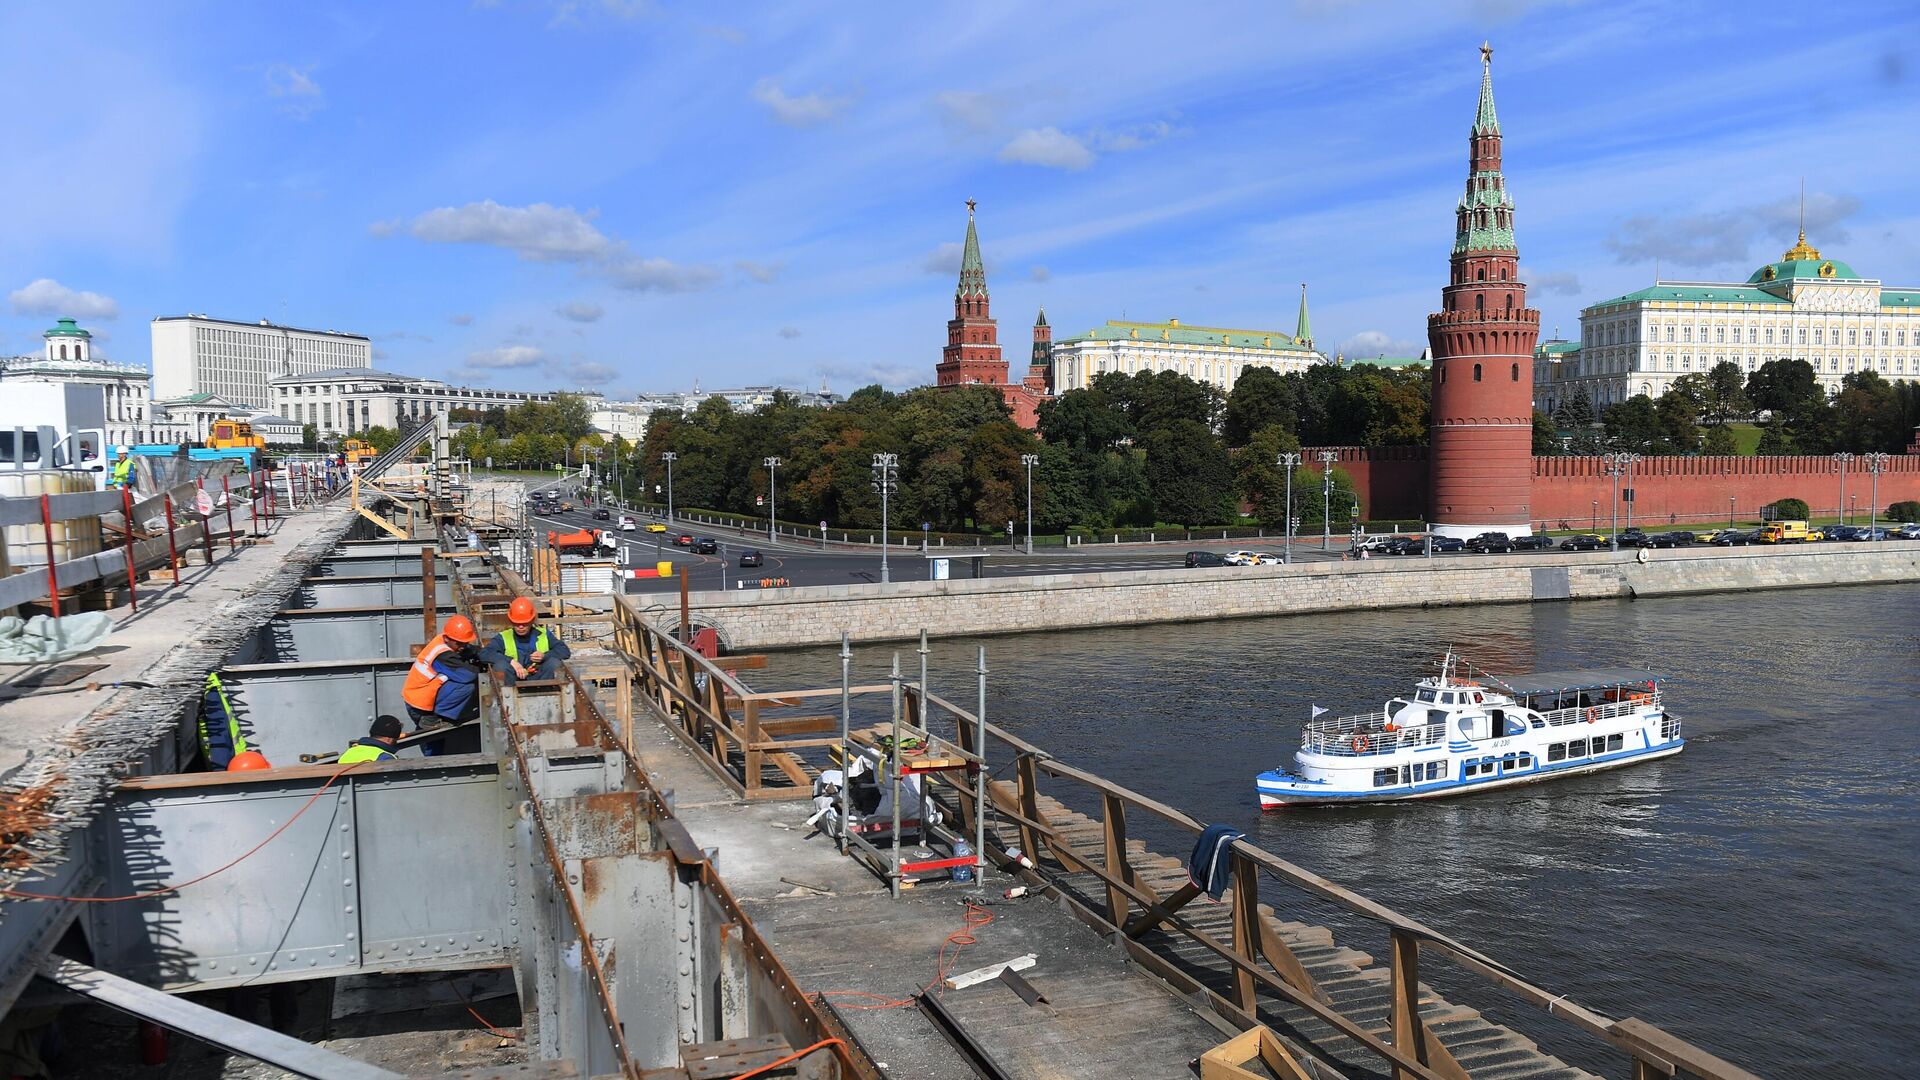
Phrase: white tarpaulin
[45,640]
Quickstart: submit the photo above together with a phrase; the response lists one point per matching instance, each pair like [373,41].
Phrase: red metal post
[126,503]
[226,489]
[46,530]
[173,552]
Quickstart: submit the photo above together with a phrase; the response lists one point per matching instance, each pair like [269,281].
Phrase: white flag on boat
[1317,710]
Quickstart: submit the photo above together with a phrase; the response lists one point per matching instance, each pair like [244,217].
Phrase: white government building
[68,357]
[1209,354]
[629,419]
[234,361]
[346,400]
[1803,307]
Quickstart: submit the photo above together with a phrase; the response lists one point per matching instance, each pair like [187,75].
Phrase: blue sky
[630,196]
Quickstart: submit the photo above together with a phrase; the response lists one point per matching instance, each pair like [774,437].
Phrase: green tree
[1867,414]
[1633,424]
[1679,427]
[1546,437]
[1261,398]
[1188,475]
[1316,501]
[1261,478]
[1719,441]
[1576,410]
[1726,399]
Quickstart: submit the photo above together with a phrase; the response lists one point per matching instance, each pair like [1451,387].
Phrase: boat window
[1538,723]
[1433,770]
[1407,774]
[1446,699]
[1470,769]
[1435,716]
[1577,748]
[1614,742]
[1526,761]
[1442,766]
[1385,777]
[1557,752]
[1424,695]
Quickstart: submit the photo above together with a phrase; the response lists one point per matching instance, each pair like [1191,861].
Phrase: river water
[1759,894]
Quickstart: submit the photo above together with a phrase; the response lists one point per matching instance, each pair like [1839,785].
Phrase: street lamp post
[1288,461]
[885,468]
[1029,460]
[668,458]
[1630,459]
[1842,457]
[1326,498]
[773,466]
[1616,463]
[1593,525]
[1730,514]
[1875,462]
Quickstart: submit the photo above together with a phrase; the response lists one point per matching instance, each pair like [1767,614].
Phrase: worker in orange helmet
[442,682]
[527,652]
[248,761]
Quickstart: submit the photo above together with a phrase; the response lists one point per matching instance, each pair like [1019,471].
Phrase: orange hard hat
[247,761]
[459,628]
[520,612]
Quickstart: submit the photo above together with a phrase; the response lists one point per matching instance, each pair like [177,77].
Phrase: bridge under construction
[632,870]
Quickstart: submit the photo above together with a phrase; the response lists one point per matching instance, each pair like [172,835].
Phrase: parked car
[1909,531]
[1375,543]
[1583,542]
[1734,537]
[1444,545]
[601,513]
[1876,532]
[627,524]
[1404,545]
[1842,532]
[1240,558]
[1265,558]
[1489,542]
[705,546]
[684,540]
[1204,558]
[1535,542]
[1634,538]
[1670,540]
[749,557]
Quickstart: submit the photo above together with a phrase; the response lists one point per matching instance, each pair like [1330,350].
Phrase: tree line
[1796,415]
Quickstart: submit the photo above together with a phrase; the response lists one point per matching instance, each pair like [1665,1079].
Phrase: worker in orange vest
[445,676]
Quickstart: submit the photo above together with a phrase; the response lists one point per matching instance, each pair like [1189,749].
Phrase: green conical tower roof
[1303,333]
[973,273]
[1484,120]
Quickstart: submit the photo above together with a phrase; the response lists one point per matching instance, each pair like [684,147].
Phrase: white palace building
[1803,307]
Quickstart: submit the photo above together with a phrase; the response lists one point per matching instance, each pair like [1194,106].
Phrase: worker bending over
[527,652]
[377,746]
[441,683]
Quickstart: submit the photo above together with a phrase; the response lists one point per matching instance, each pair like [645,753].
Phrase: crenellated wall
[1578,491]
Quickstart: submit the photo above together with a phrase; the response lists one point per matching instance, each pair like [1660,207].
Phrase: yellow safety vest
[512,647]
[359,752]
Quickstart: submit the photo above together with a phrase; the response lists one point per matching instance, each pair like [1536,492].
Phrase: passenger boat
[1461,733]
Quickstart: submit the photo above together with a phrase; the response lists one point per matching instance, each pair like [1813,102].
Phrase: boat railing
[1581,714]
[1367,734]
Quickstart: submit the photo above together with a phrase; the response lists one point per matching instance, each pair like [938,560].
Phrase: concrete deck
[1105,1019]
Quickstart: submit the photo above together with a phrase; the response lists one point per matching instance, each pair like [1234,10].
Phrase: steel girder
[379,590]
[294,709]
[313,635]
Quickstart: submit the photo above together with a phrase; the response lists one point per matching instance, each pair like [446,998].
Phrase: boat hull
[1277,792]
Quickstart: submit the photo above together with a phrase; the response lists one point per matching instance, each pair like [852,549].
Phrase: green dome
[67,328]
[1801,268]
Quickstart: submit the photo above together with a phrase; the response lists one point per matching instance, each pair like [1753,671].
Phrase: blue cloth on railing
[1211,864]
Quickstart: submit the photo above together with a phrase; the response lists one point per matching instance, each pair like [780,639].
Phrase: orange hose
[795,1056]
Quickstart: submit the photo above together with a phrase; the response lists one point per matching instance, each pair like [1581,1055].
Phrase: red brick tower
[1481,450]
[1039,378]
[972,354]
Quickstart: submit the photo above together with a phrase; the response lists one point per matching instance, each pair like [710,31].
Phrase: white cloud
[807,110]
[460,319]
[580,311]
[789,332]
[891,376]
[968,112]
[1560,282]
[588,372]
[506,356]
[1133,138]
[944,259]
[1720,237]
[1368,344]
[45,296]
[537,233]
[299,96]
[1040,273]
[660,275]
[763,272]
[1047,147]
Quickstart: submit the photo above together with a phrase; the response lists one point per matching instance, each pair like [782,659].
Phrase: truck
[1785,532]
[231,434]
[359,452]
[582,542]
[54,426]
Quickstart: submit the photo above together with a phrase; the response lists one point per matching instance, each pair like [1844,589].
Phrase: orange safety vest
[423,683]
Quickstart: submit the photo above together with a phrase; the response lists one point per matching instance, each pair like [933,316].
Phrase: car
[705,546]
[1734,537]
[627,524]
[1875,532]
[1448,544]
[1239,558]
[1204,558]
[1583,542]
[1404,545]
[601,513]
[566,507]
[1678,539]
[1815,535]
[684,540]
[655,527]
[1909,531]
[1709,536]
[1488,542]
[1265,558]
[1535,542]
[1842,532]
[1634,538]
[749,557]
[1374,543]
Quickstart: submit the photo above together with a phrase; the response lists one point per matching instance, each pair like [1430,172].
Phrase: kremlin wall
[1478,472]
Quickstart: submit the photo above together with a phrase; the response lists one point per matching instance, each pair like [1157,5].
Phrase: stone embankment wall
[787,618]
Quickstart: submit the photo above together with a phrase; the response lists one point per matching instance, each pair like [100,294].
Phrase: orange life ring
[1593,714]
[1361,744]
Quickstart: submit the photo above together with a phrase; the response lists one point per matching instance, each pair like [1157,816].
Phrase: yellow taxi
[655,527]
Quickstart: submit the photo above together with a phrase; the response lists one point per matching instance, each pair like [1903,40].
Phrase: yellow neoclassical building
[1804,307]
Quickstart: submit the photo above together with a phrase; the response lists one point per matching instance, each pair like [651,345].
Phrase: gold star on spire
[970,205]
[1486,52]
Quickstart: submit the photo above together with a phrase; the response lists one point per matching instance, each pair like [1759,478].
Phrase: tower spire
[1484,120]
[1303,331]
[973,272]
